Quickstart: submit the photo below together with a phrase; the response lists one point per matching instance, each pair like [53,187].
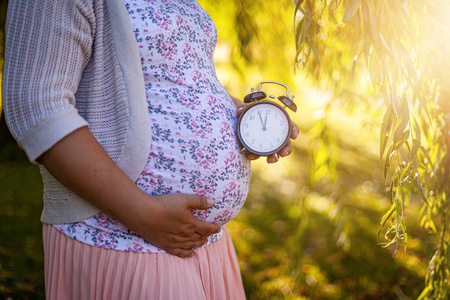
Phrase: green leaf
[403,121]
[404,229]
[316,52]
[424,294]
[370,23]
[388,215]
[387,163]
[401,15]
[403,154]
[401,140]
[383,41]
[430,224]
[351,10]
[420,190]
[416,139]
[425,153]
[300,36]
[297,8]
[394,240]
[409,65]
[385,129]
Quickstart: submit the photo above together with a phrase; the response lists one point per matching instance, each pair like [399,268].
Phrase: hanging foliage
[402,46]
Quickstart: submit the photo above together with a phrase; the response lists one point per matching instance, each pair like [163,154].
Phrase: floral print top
[194,145]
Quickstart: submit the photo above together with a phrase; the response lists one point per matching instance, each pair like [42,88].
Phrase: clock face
[264,128]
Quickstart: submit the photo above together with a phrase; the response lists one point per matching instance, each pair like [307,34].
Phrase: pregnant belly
[228,203]
[195,151]
[220,173]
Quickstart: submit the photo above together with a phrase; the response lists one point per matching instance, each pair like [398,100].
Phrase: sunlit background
[310,226]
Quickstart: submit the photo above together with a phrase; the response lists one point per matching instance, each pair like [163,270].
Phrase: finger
[183,253]
[273,158]
[194,225]
[252,156]
[206,229]
[193,244]
[295,131]
[198,202]
[186,237]
[286,149]
[240,109]
[177,242]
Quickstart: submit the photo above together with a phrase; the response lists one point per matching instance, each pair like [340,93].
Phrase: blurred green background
[309,227]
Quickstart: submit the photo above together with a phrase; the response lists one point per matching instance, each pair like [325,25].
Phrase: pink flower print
[231,159]
[135,247]
[187,49]
[192,102]
[197,128]
[207,27]
[202,158]
[104,240]
[201,186]
[229,189]
[163,22]
[198,78]
[223,217]
[225,128]
[168,50]
[212,100]
[175,77]
[200,214]
[105,221]
[179,21]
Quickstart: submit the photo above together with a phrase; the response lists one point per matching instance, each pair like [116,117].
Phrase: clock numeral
[252,117]
[246,125]
[247,134]
[261,145]
[253,141]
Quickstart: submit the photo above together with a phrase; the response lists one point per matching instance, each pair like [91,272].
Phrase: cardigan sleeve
[48,44]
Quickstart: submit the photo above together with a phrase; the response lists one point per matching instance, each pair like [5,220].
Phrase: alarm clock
[264,127]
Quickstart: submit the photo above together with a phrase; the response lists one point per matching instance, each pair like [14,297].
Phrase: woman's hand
[167,223]
[285,151]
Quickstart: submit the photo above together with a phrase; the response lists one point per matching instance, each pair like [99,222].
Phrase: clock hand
[265,123]
[260,118]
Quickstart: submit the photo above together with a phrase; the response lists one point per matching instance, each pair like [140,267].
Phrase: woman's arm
[80,163]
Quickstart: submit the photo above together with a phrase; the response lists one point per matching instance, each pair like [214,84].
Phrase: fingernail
[210,201]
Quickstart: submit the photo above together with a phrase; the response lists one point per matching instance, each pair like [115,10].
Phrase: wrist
[138,210]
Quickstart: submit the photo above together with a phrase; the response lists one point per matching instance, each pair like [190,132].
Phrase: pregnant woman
[119,104]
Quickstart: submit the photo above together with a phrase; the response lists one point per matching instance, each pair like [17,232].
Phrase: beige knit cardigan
[68,64]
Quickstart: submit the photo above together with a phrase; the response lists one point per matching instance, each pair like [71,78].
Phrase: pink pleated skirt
[74,270]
